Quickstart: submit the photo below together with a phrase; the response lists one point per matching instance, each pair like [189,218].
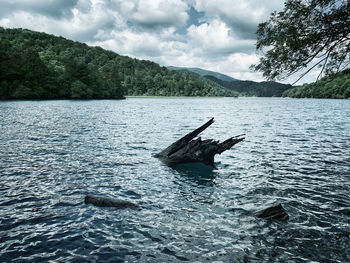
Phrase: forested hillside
[252,88]
[36,65]
[335,86]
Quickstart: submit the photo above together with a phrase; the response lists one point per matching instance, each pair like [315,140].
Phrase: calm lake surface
[53,153]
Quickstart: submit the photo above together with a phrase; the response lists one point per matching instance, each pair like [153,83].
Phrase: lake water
[53,153]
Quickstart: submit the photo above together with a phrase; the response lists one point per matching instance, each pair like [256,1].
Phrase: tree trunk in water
[188,149]
[276,212]
[110,202]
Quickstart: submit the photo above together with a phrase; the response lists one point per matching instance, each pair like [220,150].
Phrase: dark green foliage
[336,86]
[36,65]
[40,66]
[307,33]
[251,88]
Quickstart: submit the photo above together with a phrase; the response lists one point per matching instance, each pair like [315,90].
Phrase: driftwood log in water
[276,212]
[111,202]
[188,149]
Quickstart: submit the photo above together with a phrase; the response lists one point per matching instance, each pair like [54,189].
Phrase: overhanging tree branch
[305,31]
[305,73]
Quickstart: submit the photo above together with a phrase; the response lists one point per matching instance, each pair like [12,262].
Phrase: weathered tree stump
[276,212]
[188,149]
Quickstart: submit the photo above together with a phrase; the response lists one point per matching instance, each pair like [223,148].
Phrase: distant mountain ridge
[240,87]
[204,73]
[247,88]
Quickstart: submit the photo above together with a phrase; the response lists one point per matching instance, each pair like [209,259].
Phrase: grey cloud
[242,29]
[245,28]
[148,52]
[56,17]
[156,15]
[5,10]
[242,17]
[50,8]
[220,53]
[84,6]
[151,24]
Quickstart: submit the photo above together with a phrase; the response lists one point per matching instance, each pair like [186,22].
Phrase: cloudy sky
[216,35]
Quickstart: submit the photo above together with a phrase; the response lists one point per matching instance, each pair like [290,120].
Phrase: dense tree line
[40,66]
[36,65]
[335,86]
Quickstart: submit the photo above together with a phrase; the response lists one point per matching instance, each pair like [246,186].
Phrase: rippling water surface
[53,153]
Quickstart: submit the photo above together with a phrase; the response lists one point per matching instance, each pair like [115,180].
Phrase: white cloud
[141,45]
[216,39]
[237,65]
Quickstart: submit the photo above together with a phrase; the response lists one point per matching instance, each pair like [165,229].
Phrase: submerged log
[276,212]
[188,149]
[111,202]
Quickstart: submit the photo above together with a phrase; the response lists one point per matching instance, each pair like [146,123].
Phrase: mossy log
[192,149]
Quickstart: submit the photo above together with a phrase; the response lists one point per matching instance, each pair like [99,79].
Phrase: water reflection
[195,181]
[198,173]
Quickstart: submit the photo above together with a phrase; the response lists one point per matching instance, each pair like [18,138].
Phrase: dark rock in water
[276,212]
[191,149]
[111,202]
